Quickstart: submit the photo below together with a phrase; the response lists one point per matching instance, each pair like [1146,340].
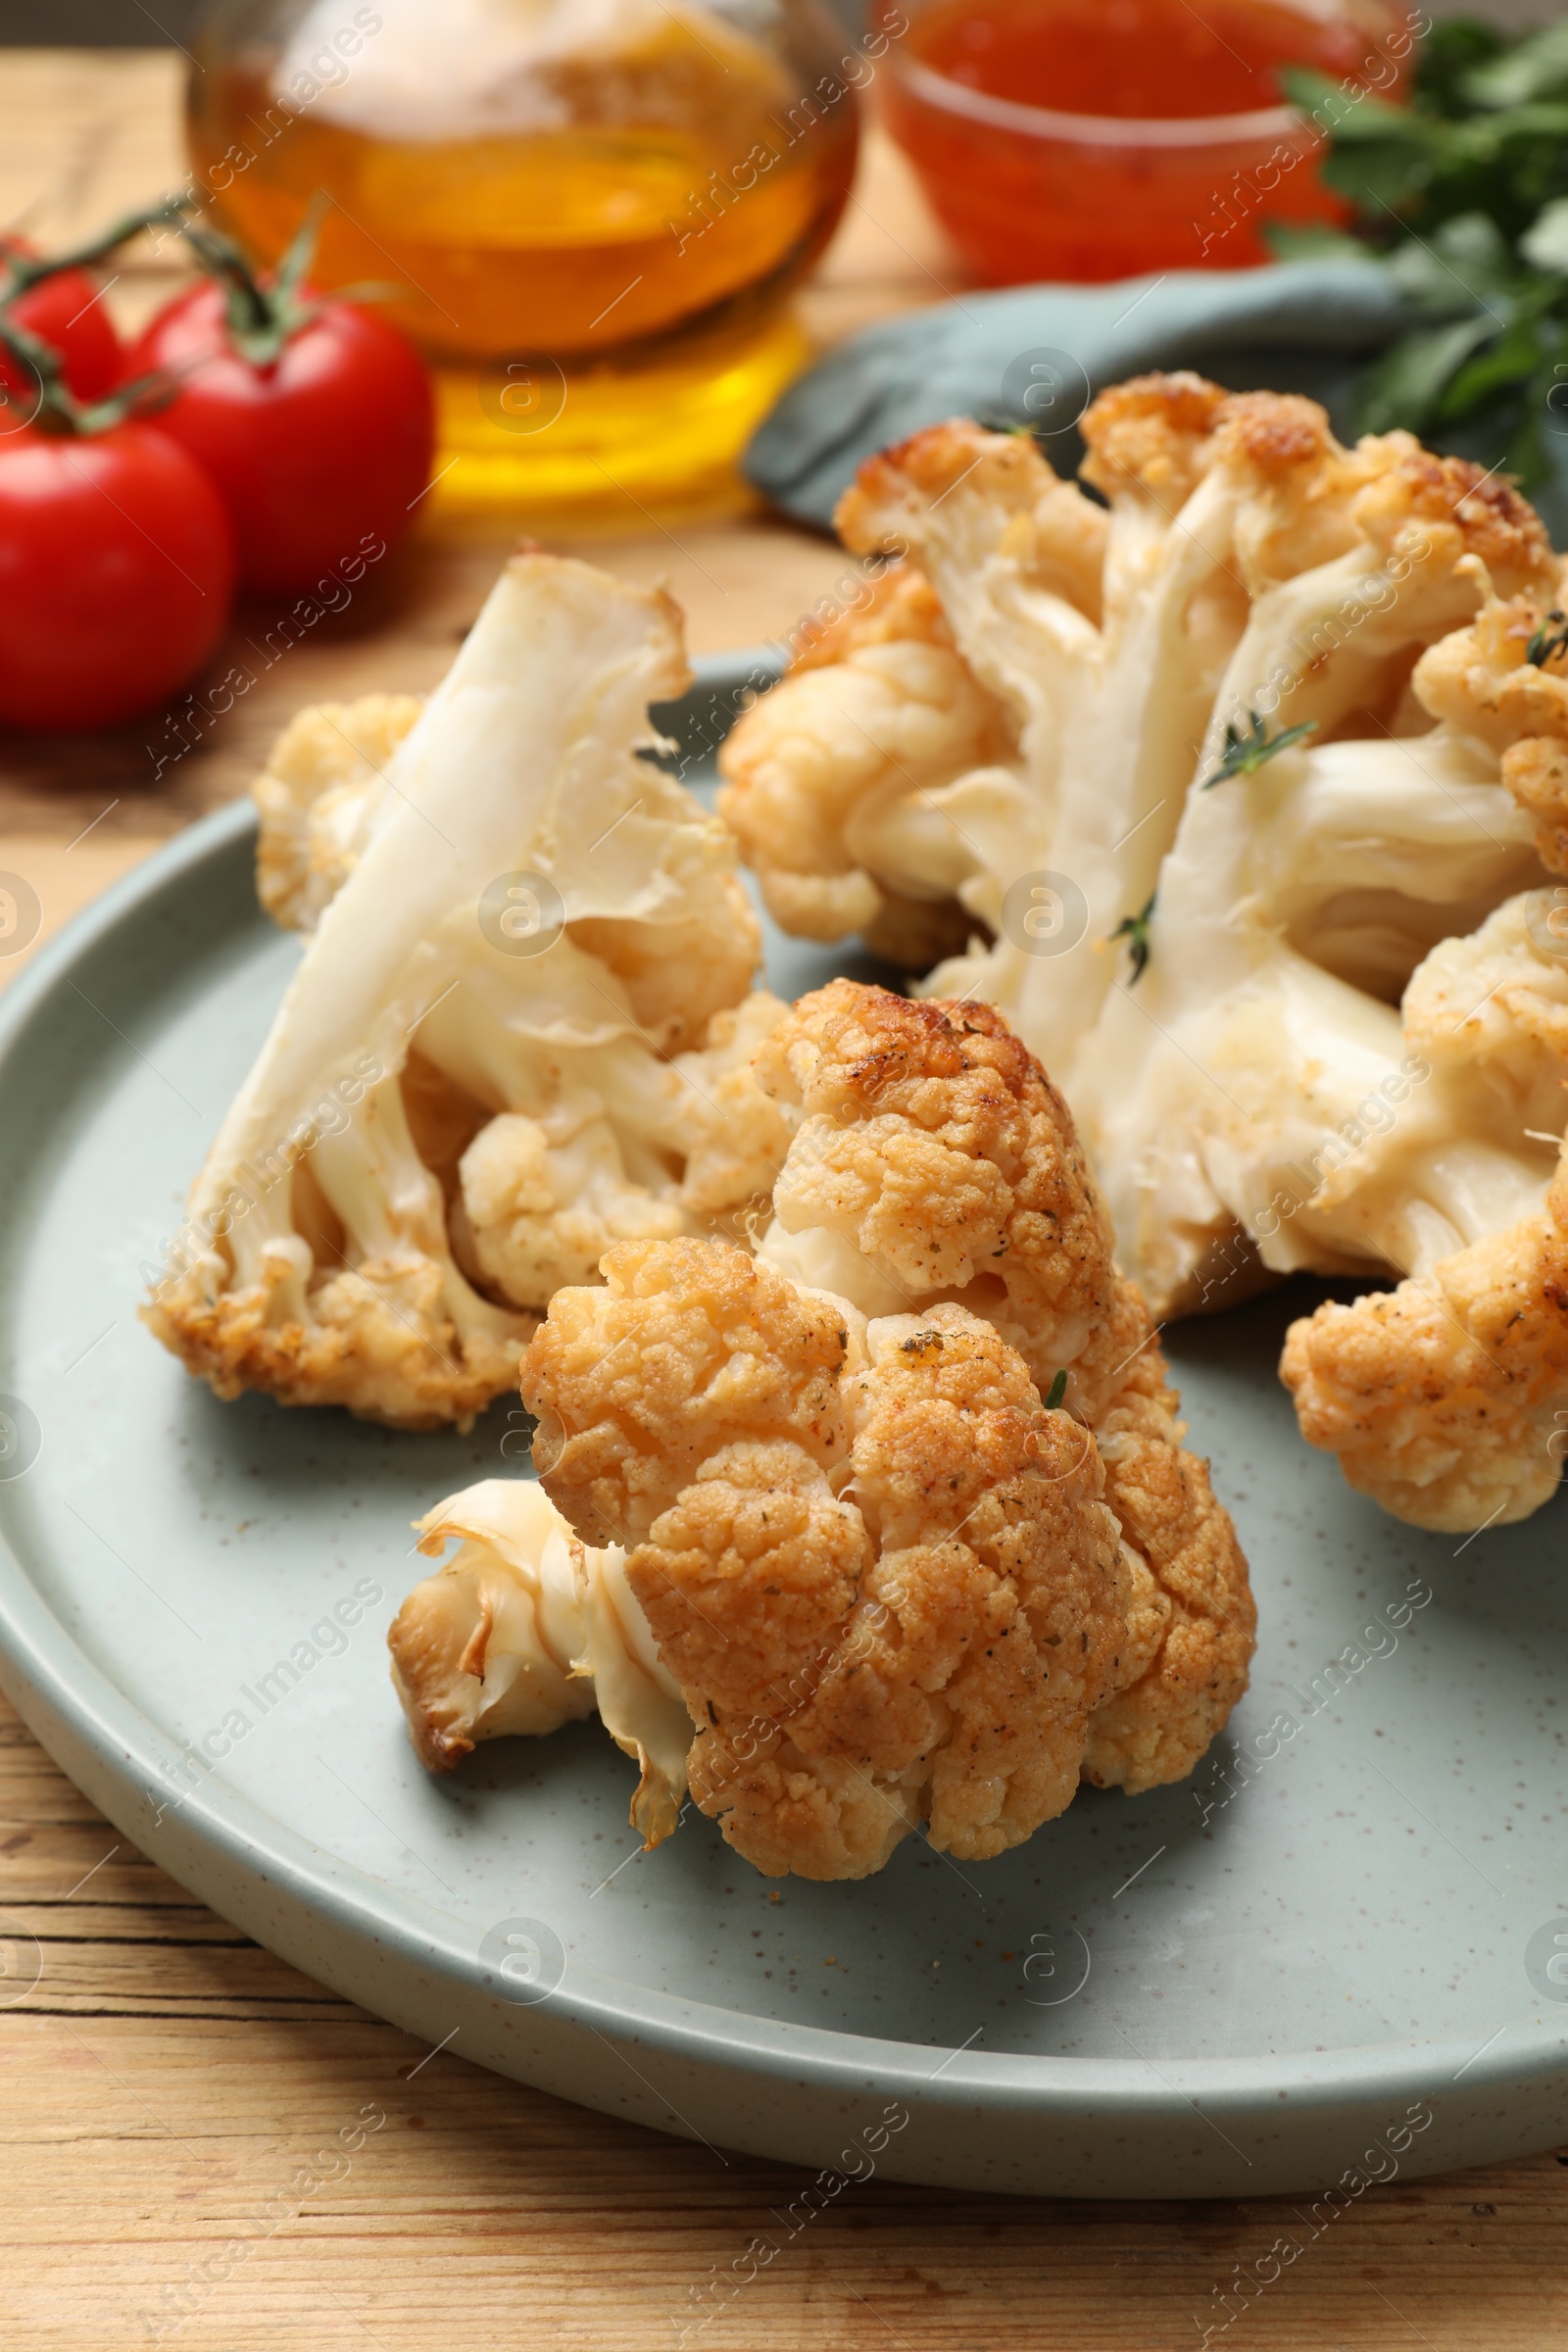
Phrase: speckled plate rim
[774,2088]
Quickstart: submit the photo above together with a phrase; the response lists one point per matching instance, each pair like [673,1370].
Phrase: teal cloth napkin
[1036,355]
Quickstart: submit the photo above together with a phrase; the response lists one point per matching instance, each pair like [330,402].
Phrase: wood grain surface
[165,2084]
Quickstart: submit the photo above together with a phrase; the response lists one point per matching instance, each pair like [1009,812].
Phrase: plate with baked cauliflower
[831,1264]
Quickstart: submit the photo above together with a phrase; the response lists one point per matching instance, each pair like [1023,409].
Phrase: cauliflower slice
[1256,576]
[438,1130]
[877,1566]
[1237,1099]
[1238,530]
[1445,1398]
[523,1630]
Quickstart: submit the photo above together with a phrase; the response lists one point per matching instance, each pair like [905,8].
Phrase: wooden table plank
[164,2082]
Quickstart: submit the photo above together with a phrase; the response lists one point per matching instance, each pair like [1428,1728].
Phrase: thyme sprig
[1247,748]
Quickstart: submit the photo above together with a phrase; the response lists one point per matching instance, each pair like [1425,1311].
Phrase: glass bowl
[1029,191]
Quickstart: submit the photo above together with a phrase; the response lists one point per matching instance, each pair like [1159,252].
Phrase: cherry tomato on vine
[311,415]
[67,313]
[116,570]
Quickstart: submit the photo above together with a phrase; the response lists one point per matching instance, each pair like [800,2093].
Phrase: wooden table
[166,2077]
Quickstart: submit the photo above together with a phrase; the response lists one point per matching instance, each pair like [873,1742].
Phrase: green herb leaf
[1058,1390]
[1546,641]
[1134,929]
[1247,748]
[1537,68]
[1310,241]
[1405,385]
[1544,246]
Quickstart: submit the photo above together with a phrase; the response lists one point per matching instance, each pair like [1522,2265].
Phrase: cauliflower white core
[1249,1098]
[438,1130]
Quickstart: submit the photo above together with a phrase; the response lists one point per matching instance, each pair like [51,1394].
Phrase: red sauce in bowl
[1011,110]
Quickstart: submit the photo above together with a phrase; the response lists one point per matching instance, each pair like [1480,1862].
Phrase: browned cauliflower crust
[937,1146]
[809,770]
[1443,1399]
[900,603]
[1059,535]
[638,1383]
[1483,681]
[386,1338]
[1193,1619]
[879,1569]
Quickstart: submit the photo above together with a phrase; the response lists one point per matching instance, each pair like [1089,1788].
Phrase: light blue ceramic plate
[1334,1951]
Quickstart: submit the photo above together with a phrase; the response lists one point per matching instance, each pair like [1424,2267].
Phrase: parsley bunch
[1463,197]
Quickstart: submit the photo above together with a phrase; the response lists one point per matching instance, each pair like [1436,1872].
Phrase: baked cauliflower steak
[1206,742]
[1258,850]
[521,1029]
[920,1551]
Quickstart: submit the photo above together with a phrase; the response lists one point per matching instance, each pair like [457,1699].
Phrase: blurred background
[128,24]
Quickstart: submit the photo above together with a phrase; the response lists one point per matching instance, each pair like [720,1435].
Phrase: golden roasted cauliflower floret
[936,1159]
[543,1204]
[896,1583]
[1193,1623]
[1536,772]
[1445,1398]
[1057,535]
[811,773]
[896,1597]
[688,1348]
[1485,682]
[1491,1009]
[739,1134]
[988,1622]
[898,605]
[1151,436]
[542,1197]
[1449,509]
[935,1150]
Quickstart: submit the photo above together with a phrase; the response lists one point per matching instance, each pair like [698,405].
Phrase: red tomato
[67,313]
[327,442]
[116,563]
